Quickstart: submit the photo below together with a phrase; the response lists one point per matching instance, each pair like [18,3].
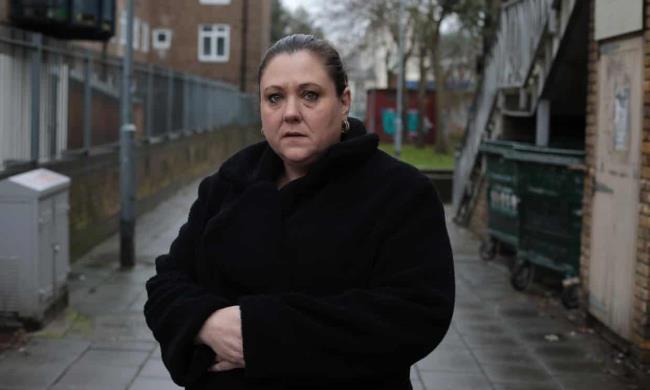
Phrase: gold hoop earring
[346,126]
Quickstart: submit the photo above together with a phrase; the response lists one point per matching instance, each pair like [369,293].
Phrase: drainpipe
[244,46]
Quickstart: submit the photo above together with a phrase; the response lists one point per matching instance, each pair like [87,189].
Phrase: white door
[616,188]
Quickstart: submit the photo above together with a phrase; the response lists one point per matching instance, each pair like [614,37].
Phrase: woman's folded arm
[177,306]
[398,319]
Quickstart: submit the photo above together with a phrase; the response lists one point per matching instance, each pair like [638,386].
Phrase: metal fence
[56,99]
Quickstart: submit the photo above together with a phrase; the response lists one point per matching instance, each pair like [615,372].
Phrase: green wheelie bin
[550,215]
[502,197]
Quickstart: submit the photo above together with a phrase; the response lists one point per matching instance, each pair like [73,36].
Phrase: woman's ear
[346,101]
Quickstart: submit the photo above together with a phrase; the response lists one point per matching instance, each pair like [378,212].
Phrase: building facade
[218,39]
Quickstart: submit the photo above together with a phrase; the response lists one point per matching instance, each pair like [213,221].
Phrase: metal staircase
[527,43]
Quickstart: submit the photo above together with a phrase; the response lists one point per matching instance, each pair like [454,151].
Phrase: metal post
[543,122]
[127,165]
[88,101]
[191,119]
[53,106]
[400,83]
[37,59]
[149,120]
[244,47]
[204,107]
[208,103]
[373,101]
[186,103]
[201,105]
[170,102]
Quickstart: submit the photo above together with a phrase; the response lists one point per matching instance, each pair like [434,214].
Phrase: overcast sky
[293,4]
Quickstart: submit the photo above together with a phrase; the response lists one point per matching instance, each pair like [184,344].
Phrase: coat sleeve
[177,306]
[394,322]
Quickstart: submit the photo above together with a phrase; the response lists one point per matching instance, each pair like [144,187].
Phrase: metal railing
[509,64]
[56,99]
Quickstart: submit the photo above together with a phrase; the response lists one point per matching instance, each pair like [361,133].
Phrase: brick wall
[641,322]
[641,304]
[161,169]
[590,149]
[4,11]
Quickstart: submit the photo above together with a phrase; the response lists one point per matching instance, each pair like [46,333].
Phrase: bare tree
[361,21]
[284,22]
[433,15]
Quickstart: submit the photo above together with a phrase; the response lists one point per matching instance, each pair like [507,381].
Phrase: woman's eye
[274,98]
[310,96]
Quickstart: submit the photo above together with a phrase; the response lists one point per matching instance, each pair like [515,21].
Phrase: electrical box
[34,244]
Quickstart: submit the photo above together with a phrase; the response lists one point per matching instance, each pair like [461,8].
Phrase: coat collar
[260,163]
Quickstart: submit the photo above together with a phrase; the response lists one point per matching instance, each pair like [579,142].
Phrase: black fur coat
[344,277]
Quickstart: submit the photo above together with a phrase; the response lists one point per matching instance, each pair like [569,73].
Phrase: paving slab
[85,376]
[440,380]
[500,339]
[144,383]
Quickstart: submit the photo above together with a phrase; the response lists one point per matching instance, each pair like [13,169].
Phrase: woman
[309,261]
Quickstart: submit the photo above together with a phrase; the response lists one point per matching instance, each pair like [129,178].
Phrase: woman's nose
[291,110]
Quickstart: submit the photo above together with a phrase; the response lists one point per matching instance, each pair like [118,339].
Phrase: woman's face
[301,112]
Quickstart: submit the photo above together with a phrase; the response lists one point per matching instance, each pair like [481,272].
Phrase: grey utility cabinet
[34,244]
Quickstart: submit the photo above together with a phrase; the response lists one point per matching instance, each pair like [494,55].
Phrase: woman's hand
[222,332]
[224,365]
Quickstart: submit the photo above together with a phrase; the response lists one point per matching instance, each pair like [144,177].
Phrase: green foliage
[422,158]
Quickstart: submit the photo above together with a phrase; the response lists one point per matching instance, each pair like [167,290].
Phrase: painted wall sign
[621,118]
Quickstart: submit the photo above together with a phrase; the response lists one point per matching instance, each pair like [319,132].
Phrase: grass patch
[421,158]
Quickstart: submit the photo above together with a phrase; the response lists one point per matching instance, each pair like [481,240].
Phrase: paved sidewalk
[499,339]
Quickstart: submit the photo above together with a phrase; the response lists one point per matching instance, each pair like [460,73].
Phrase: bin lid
[497,147]
[549,156]
[34,184]
[531,153]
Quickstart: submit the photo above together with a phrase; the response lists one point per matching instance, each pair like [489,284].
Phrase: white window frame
[156,44]
[136,33]
[214,2]
[219,31]
[137,24]
[123,28]
[145,37]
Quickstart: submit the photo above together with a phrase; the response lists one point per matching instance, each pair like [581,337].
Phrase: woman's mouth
[293,134]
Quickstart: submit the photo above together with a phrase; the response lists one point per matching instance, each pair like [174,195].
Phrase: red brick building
[220,39]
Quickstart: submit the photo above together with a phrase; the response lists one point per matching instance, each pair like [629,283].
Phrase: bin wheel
[488,249]
[522,275]
[571,296]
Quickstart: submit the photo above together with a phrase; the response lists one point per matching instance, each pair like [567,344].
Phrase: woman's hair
[320,47]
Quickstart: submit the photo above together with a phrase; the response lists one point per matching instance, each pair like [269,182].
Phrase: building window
[214,42]
[136,30]
[145,36]
[161,38]
[214,2]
